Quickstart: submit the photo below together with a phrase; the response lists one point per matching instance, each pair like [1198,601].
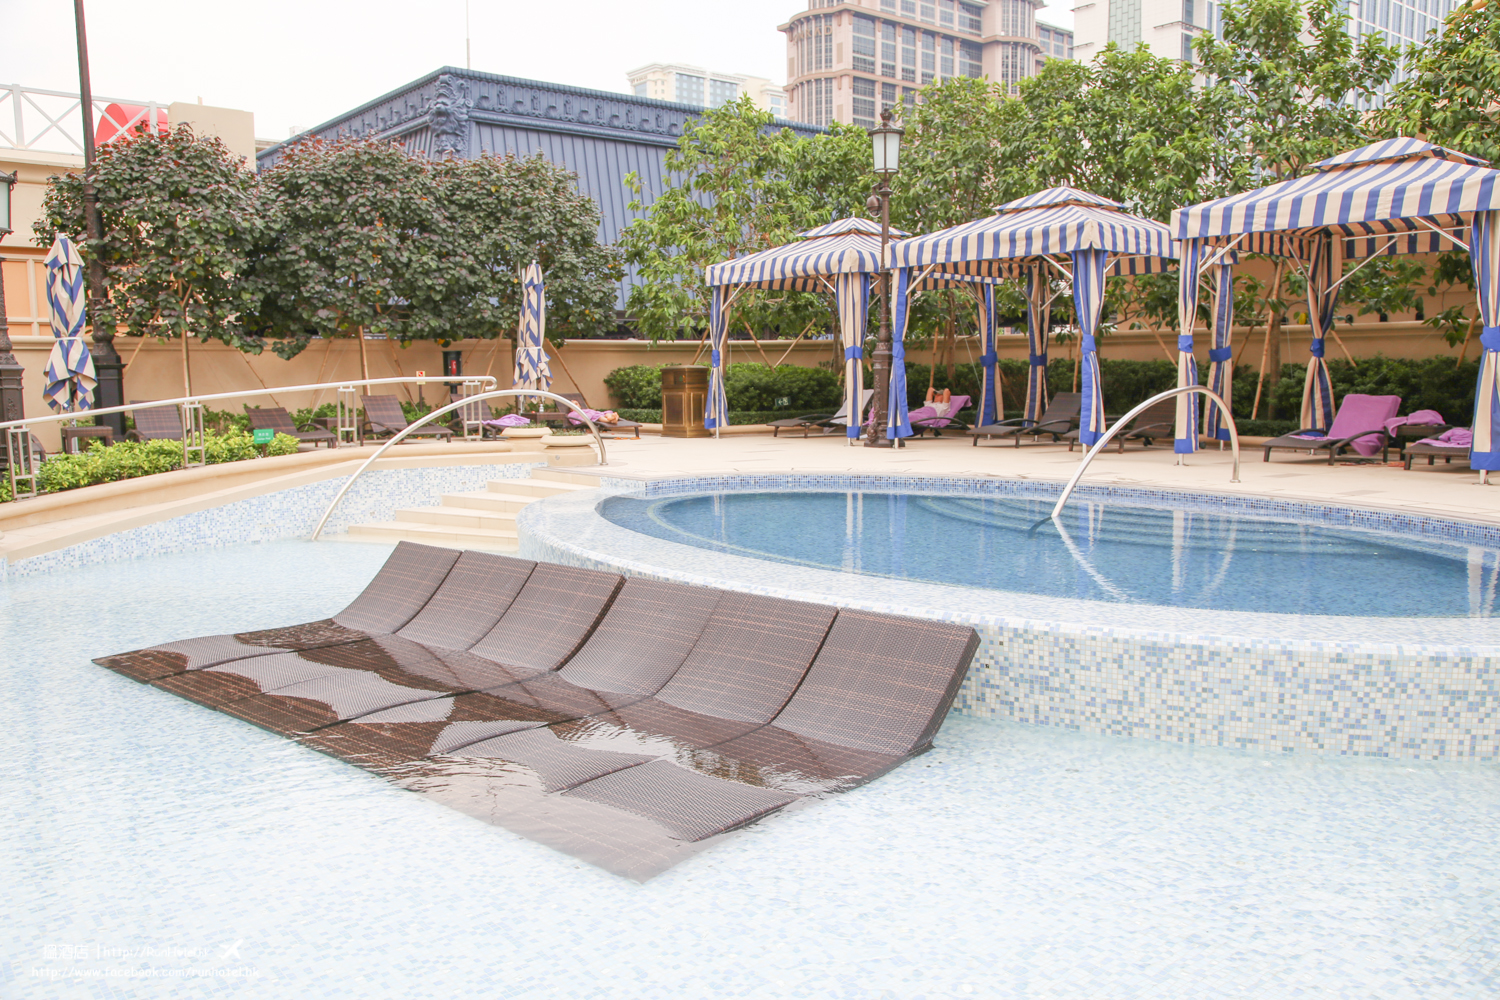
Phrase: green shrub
[635,387]
[132,459]
[748,386]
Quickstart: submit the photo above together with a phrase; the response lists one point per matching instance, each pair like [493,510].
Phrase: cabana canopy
[1081,236]
[840,259]
[1392,197]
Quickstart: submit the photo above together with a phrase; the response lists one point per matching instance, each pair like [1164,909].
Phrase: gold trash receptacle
[684,394]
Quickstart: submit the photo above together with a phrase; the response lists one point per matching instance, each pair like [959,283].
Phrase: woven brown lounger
[629,724]
[275,418]
[155,423]
[1060,417]
[385,418]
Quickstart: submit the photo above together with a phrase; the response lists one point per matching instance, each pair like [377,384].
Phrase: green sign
[264,435]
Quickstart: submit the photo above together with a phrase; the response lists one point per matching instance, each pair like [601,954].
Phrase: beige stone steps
[536,488]
[432,534]
[459,517]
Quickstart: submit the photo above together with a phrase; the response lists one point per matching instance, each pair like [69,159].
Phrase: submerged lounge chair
[1156,422]
[1359,425]
[827,421]
[628,723]
[1061,416]
[275,418]
[385,418]
[155,423]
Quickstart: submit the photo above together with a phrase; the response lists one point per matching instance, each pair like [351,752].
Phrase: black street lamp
[12,406]
[886,140]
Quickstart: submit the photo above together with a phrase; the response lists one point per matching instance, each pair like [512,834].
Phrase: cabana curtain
[1484,251]
[1089,268]
[716,406]
[1221,355]
[853,294]
[1190,263]
[898,423]
[1037,312]
[1323,272]
[991,401]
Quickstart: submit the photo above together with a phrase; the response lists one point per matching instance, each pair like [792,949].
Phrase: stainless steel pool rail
[19,457]
[1119,425]
[598,438]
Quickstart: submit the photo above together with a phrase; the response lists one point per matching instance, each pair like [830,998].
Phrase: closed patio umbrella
[532,370]
[69,373]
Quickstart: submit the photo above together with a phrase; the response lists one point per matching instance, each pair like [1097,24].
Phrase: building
[1168,27]
[598,135]
[683,84]
[848,59]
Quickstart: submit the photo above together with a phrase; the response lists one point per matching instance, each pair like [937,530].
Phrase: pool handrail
[18,432]
[1119,425]
[495,394]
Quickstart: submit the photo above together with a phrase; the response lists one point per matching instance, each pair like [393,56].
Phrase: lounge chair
[1060,417]
[1359,425]
[1155,422]
[1455,442]
[925,418]
[275,418]
[155,423]
[827,421]
[628,722]
[385,418]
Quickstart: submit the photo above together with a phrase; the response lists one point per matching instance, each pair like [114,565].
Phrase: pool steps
[481,519]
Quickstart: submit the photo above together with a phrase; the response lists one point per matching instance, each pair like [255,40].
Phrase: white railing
[22,466]
[32,118]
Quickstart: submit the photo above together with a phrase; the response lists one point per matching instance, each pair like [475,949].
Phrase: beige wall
[236,128]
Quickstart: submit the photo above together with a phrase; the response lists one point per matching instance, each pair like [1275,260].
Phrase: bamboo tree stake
[567,371]
[1464,353]
[788,353]
[764,356]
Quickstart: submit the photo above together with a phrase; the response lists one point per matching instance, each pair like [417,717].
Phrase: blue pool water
[148,839]
[1101,552]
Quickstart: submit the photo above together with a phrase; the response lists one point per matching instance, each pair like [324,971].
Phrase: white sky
[302,62]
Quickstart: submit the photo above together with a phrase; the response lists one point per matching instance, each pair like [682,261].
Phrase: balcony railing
[32,118]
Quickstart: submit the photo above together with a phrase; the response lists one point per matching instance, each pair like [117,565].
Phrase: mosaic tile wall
[1267,683]
[290,513]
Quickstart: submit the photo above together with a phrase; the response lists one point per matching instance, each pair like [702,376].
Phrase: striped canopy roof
[1384,198]
[1063,220]
[848,246]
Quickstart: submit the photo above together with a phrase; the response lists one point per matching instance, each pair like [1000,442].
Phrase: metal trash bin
[684,396]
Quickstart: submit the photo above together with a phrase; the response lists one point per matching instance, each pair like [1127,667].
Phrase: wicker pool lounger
[627,722]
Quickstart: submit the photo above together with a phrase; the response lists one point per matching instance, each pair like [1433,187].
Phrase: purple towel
[1454,437]
[509,420]
[1359,412]
[930,414]
[1419,417]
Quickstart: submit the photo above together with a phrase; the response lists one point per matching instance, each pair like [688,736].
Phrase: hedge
[749,386]
[132,459]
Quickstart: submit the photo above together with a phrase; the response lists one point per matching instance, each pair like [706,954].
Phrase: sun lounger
[828,422]
[275,418]
[925,418]
[155,423]
[1060,417]
[385,418]
[1156,422]
[1359,426]
[627,723]
[1455,442]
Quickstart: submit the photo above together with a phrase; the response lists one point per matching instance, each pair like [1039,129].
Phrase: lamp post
[12,406]
[886,141]
[108,369]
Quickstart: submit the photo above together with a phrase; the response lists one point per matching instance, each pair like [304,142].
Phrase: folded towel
[1454,437]
[509,420]
[1419,417]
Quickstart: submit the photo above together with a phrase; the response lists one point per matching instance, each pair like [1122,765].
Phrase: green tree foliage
[1451,95]
[736,185]
[180,225]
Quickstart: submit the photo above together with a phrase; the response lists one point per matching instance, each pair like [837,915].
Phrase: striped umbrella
[1398,196]
[716,406]
[69,373]
[532,370]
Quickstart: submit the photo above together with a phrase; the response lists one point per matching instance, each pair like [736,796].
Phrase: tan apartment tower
[848,59]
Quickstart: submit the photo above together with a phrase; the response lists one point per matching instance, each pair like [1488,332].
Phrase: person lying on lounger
[941,400]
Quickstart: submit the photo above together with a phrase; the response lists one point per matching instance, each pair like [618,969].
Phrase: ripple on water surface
[1012,861]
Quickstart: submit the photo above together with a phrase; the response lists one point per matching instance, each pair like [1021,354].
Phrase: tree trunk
[1270,359]
[364,362]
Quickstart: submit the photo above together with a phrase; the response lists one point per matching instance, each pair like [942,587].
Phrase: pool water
[1102,552]
[1011,862]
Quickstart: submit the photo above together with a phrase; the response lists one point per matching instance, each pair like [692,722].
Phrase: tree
[179,226]
[360,246]
[735,186]
[505,212]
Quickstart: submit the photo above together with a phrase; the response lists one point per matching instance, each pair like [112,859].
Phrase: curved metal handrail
[427,418]
[264,391]
[1234,436]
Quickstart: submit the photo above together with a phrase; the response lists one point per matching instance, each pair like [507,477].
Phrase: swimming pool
[1101,551]
[1082,866]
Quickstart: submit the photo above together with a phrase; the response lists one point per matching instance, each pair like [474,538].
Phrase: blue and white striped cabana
[1062,231]
[841,259]
[1398,196]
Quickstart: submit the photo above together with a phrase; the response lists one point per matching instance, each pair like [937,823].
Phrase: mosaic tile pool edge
[289,513]
[1260,694]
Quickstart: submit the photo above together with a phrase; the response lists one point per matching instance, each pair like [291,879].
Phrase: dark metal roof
[598,135]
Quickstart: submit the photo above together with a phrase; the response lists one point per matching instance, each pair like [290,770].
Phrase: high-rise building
[1168,27]
[848,59]
[697,86]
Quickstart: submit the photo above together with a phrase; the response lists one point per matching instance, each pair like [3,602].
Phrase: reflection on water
[1101,552]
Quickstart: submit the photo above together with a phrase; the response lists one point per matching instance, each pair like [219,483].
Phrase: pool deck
[1450,491]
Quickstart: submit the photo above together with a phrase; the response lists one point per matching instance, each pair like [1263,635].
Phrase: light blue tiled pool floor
[1014,861]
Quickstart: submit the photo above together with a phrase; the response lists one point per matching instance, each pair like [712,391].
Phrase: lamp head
[7,182]
[886,143]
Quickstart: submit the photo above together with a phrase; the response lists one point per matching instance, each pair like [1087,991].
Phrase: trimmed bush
[133,459]
[749,386]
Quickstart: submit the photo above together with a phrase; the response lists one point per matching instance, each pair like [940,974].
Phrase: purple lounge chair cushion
[930,414]
[1359,412]
[1454,437]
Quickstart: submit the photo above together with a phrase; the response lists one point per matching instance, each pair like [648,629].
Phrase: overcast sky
[303,62]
